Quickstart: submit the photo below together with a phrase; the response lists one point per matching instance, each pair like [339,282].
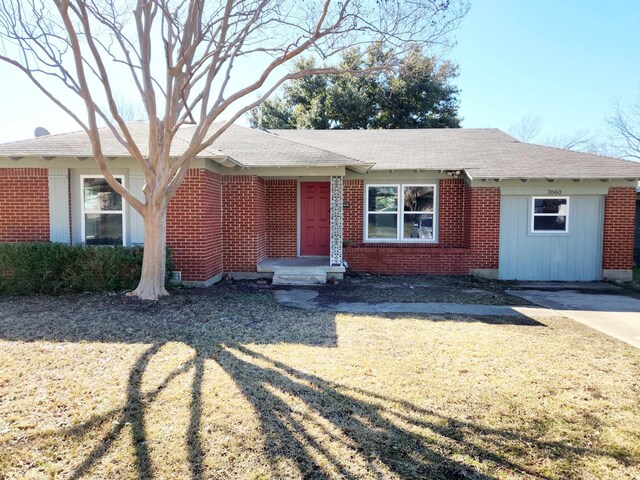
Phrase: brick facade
[24,205]
[468,234]
[218,224]
[451,212]
[482,227]
[194,226]
[244,222]
[353,213]
[260,220]
[619,225]
[282,218]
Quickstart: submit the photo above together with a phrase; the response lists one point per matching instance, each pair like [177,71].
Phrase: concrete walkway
[615,315]
[305,299]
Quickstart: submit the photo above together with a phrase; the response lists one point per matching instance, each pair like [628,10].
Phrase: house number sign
[554,192]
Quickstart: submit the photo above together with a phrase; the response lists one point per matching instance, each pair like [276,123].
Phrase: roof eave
[575,178]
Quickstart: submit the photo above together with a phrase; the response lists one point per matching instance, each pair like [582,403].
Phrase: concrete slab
[299,278]
[306,299]
[615,315]
[578,286]
[429,308]
[292,265]
[297,298]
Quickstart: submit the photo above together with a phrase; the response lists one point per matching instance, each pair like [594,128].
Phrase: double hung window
[102,212]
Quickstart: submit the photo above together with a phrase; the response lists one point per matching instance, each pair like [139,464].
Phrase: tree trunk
[154,261]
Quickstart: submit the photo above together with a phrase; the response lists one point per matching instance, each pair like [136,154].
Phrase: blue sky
[563,61]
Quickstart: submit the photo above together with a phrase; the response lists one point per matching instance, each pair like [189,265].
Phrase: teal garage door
[551,238]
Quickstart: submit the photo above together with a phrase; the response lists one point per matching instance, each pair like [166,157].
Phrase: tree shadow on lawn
[380,435]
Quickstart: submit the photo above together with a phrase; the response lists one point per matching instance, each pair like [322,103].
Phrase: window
[403,213]
[102,212]
[550,214]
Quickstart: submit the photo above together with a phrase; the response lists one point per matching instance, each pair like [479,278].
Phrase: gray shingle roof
[257,148]
[482,153]
[77,144]
[247,147]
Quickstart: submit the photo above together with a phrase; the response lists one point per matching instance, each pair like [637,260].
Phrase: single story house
[304,204]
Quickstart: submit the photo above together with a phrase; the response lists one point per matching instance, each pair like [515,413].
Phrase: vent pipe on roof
[41,132]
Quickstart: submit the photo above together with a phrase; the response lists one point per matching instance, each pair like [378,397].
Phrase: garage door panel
[576,255]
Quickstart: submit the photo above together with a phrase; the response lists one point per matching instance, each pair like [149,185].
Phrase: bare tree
[129,110]
[581,141]
[527,129]
[625,123]
[179,56]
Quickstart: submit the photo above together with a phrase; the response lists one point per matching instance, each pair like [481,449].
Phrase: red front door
[314,218]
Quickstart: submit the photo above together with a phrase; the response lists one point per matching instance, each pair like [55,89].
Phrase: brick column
[619,226]
[282,218]
[451,212]
[353,214]
[244,222]
[482,230]
[194,227]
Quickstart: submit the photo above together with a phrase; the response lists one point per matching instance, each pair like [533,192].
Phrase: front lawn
[225,383]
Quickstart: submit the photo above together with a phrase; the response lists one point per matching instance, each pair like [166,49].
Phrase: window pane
[98,195]
[383,199]
[382,226]
[103,229]
[550,205]
[550,222]
[418,199]
[419,226]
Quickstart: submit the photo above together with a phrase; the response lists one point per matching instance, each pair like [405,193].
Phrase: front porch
[300,270]
[304,230]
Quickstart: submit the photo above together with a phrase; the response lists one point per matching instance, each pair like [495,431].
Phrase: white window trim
[400,213]
[534,214]
[83,211]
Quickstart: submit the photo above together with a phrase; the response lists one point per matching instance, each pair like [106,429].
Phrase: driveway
[615,315]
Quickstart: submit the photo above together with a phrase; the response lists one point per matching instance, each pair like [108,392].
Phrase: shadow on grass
[380,435]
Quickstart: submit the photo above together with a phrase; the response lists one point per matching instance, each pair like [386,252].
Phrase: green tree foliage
[419,94]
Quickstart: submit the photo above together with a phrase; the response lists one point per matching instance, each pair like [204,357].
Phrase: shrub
[60,268]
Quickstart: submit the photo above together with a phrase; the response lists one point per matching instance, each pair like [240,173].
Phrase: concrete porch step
[301,270]
[298,279]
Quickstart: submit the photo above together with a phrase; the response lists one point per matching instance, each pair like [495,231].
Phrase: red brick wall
[244,222]
[353,213]
[409,259]
[24,205]
[282,218]
[619,224]
[482,226]
[468,234]
[194,226]
[451,212]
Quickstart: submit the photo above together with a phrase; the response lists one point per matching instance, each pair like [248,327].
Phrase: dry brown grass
[224,383]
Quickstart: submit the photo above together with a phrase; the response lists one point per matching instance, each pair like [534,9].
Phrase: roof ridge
[267,132]
[287,140]
[351,130]
[52,135]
